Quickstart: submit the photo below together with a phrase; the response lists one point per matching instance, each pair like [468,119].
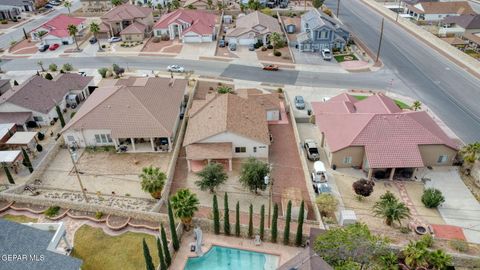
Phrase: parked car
[93,40]
[270,67]
[319,173]
[326,54]
[321,188]
[48,6]
[54,3]
[114,39]
[251,47]
[232,46]
[53,47]
[43,47]
[299,102]
[221,43]
[175,68]
[311,149]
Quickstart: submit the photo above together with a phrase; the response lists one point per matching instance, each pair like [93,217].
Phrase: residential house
[473,41]
[376,135]
[190,26]
[223,127]
[320,31]
[4,86]
[437,11]
[456,42]
[12,9]
[200,4]
[252,28]
[96,5]
[55,31]
[130,22]
[459,25]
[270,102]
[35,99]
[141,114]
[41,246]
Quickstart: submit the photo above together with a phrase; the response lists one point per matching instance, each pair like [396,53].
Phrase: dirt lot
[171,46]
[103,172]
[204,88]
[24,47]
[269,57]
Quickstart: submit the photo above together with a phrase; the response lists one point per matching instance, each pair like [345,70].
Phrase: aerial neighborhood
[260,134]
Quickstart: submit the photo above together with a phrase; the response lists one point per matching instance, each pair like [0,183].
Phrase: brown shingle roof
[126,12]
[134,28]
[39,94]
[227,113]
[460,7]
[249,22]
[133,108]
[199,151]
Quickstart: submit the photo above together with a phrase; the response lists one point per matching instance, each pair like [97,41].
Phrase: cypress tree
[148,258]
[250,221]
[262,221]
[9,175]
[60,116]
[226,215]
[166,251]
[216,218]
[48,76]
[237,219]
[298,237]
[173,232]
[274,223]
[26,160]
[163,265]
[286,231]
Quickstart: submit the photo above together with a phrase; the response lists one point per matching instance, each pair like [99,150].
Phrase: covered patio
[162,144]
[11,159]
[22,139]
[218,152]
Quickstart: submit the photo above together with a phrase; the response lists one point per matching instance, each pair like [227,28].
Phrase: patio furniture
[257,240]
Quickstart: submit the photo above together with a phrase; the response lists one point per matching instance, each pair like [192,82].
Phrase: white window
[323,34]
[240,149]
[254,149]
[442,159]
[347,160]
[109,138]
[38,119]
[97,138]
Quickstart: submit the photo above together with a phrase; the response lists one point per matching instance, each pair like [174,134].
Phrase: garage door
[51,41]
[192,39]
[246,41]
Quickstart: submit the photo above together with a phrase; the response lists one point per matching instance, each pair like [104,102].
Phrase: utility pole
[338,8]
[398,11]
[380,41]
[78,176]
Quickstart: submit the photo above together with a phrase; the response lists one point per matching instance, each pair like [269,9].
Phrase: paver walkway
[408,201]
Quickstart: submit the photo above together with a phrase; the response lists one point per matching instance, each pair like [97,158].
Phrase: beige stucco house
[374,134]
[255,26]
[130,22]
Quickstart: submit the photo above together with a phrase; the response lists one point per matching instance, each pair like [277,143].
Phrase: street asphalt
[451,92]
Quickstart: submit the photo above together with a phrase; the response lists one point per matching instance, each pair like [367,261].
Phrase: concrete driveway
[195,50]
[460,207]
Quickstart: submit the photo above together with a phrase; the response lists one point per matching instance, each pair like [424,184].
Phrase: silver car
[175,68]
[299,102]
[311,149]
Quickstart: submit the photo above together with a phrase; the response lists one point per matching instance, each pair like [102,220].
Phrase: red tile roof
[201,22]
[134,28]
[58,25]
[126,12]
[390,136]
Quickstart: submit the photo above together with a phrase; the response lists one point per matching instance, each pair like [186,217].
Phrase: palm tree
[95,28]
[72,31]
[153,181]
[416,255]
[276,40]
[438,259]
[185,204]
[117,2]
[68,5]
[470,152]
[417,105]
[40,64]
[391,209]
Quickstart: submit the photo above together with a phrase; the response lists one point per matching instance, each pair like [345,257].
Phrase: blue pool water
[222,258]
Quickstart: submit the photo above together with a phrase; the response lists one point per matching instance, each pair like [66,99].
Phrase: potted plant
[153,181]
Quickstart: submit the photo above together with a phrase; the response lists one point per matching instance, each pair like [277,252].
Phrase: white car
[326,54]
[175,68]
[114,39]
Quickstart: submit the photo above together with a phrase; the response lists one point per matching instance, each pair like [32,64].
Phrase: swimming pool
[223,258]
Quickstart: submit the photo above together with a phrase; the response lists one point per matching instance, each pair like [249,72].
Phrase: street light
[267,181]
[73,156]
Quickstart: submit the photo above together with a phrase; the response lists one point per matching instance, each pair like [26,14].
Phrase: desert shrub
[269,46]
[432,198]
[4,21]
[264,49]
[103,72]
[363,187]
[459,245]
[405,230]
[52,211]
[48,76]
[327,203]
[165,37]
[427,240]
[72,115]
[52,67]
[41,136]
[39,148]
[277,53]
[279,90]
[328,12]
[98,215]
[67,67]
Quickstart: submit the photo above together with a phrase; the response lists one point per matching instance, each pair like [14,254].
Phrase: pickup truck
[311,149]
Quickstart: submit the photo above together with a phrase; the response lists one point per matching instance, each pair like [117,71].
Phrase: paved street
[449,91]
[17,33]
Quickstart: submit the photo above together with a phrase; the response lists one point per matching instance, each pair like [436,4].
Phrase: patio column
[133,144]
[25,127]
[116,142]
[392,172]
[153,145]
[370,172]
[230,164]
[170,146]
[189,165]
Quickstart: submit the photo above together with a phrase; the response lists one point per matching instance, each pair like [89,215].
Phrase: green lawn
[101,251]
[399,103]
[341,58]
[19,219]
[472,53]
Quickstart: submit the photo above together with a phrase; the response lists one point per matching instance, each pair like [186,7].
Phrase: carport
[198,153]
